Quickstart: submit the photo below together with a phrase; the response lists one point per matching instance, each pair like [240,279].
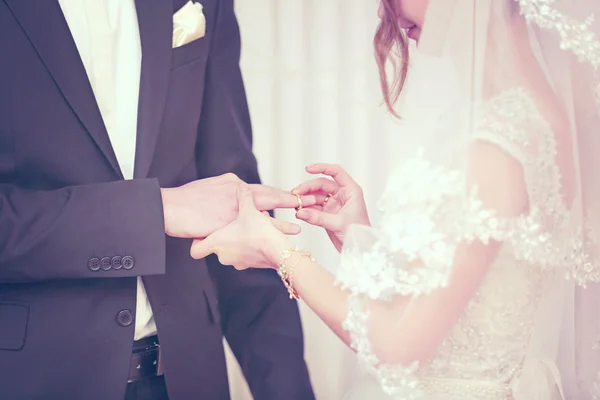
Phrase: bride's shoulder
[533,128]
[527,125]
[515,116]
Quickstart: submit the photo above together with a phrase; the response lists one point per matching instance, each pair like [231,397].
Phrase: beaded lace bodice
[490,340]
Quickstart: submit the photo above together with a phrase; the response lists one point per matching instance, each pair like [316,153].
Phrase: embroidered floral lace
[426,219]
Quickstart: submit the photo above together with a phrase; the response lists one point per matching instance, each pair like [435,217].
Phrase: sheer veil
[506,168]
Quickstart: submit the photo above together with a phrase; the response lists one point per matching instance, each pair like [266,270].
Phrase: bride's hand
[254,239]
[342,202]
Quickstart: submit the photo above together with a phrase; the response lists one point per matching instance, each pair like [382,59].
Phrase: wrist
[275,248]
[167,209]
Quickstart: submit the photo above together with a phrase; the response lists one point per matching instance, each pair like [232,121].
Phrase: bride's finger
[331,222]
[202,248]
[289,228]
[318,208]
[333,170]
[321,199]
[318,185]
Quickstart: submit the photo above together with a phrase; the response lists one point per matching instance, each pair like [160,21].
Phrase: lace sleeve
[431,212]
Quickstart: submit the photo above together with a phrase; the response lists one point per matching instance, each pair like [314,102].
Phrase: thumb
[331,222]
[202,248]
[245,199]
[288,228]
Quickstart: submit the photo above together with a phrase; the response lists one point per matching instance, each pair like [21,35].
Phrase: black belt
[145,359]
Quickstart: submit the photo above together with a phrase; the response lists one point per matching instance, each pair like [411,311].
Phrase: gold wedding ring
[299,202]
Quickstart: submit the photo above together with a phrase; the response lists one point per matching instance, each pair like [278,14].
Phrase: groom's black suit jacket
[66,321]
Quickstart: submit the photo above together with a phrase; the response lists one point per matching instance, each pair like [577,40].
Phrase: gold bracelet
[285,272]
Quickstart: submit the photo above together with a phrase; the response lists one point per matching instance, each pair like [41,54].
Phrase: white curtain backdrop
[314,96]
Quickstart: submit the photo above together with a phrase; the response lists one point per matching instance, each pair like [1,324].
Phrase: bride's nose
[380,10]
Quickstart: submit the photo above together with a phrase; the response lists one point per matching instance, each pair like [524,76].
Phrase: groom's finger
[269,198]
[289,228]
[202,248]
[320,199]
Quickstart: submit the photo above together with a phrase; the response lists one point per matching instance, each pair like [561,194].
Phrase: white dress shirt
[107,36]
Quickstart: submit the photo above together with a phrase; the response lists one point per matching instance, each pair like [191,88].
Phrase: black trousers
[153,388]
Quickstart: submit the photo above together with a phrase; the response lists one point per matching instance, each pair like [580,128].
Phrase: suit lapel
[47,29]
[155,19]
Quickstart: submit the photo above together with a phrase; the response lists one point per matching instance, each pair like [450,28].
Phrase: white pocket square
[189,24]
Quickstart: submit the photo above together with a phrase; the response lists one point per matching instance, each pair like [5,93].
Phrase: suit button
[94,264]
[116,262]
[105,263]
[128,262]
[124,318]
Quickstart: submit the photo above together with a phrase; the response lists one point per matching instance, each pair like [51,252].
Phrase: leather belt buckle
[145,363]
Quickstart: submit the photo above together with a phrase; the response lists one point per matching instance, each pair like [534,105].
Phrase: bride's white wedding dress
[489,354]
[461,291]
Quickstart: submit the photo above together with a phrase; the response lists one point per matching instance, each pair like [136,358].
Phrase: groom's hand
[197,209]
